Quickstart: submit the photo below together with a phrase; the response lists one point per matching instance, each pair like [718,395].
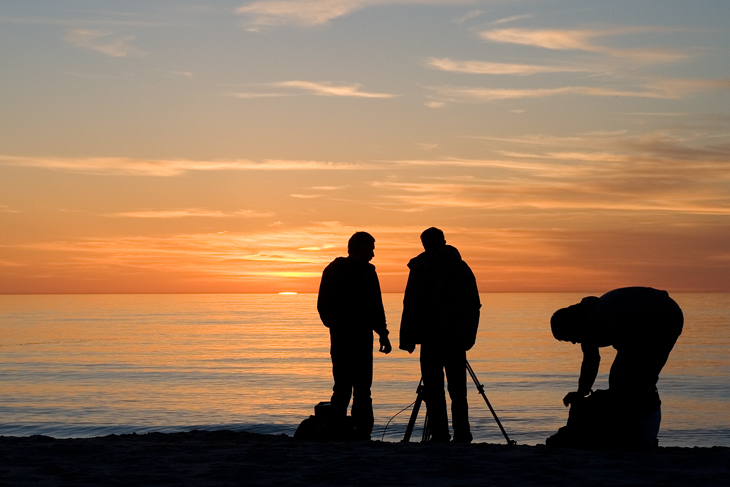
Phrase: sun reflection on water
[74,364]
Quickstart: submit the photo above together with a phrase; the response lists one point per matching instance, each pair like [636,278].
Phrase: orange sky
[235,147]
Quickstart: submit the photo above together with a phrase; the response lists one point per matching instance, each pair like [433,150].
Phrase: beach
[221,458]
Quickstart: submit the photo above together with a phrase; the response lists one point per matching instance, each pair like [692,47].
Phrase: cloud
[662,89]
[190,212]
[635,175]
[253,96]
[435,104]
[120,166]
[328,188]
[304,12]
[275,253]
[549,39]
[104,42]
[327,89]
[310,88]
[264,13]
[511,19]
[186,74]
[482,67]
[7,209]
[469,16]
[79,21]
[580,39]
[466,95]
[676,88]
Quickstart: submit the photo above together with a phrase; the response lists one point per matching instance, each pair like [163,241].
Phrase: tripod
[419,400]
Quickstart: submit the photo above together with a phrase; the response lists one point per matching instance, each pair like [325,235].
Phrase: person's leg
[645,352]
[342,374]
[432,372]
[668,331]
[455,366]
[362,403]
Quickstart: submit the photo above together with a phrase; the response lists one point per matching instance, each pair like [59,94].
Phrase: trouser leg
[362,403]
[342,389]
[432,372]
[456,376]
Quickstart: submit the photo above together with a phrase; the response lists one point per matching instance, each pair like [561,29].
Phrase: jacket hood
[349,263]
[442,255]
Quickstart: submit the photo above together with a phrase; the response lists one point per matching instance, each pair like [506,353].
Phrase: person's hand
[385,346]
[408,347]
[572,397]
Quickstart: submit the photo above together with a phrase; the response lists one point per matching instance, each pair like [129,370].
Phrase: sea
[92,365]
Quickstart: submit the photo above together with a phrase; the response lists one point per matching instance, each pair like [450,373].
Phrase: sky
[234,146]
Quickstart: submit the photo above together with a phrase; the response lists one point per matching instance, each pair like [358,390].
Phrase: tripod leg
[414,413]
[426,432]
[480,388]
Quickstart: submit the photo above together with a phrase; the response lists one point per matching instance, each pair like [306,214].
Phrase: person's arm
[472,305]
[326,299]
[380,326]
[589,368]
[588,373]
[408,320]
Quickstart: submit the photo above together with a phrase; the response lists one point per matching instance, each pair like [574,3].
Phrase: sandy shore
[201,458]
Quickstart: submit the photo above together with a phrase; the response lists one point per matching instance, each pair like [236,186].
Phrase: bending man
[643,325]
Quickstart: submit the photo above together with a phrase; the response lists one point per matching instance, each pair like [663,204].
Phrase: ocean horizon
[81,365]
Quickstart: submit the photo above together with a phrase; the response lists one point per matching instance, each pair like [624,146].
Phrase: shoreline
[224,457]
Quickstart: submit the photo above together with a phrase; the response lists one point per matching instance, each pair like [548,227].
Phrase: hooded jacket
[350,303]
[441,303]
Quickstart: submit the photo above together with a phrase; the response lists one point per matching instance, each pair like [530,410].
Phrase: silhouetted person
[441,313]
[643,325]
[351,306]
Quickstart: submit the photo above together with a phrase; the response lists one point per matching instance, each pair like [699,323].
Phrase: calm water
[90,365]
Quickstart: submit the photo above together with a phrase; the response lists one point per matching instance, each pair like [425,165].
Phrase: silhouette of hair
[566,323]
[432,238]
[359,240]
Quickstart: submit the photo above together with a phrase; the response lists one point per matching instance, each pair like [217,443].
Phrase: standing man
[351,306]
[643,325]
[441,313]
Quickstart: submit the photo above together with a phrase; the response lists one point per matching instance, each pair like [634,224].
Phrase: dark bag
[608,421]
[324,426]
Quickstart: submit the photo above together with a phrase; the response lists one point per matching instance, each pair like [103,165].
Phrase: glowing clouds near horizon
[157,147]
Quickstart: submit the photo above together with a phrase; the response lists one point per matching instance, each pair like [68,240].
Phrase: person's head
[361,246]
[433,238]
[568,324]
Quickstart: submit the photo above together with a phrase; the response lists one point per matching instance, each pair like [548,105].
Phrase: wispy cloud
[581,39]
[119,166]
[482,67]
[300,252]
[75,22]
[328,188]
[466,95]
[191,212]
[264,13]
[186,74]
[328,89]
[470,15]
[104,42]
[511,19]
[589,172]
[656,89]
[298,88]
[253,96]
